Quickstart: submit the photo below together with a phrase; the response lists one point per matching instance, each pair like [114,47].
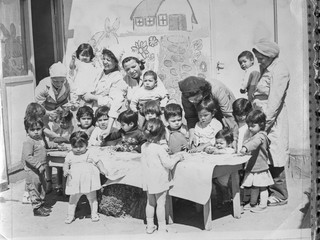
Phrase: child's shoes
[258,209]
[95,217]
[40,212]
[248,207]
[26,198]
[69,219]
[150,229]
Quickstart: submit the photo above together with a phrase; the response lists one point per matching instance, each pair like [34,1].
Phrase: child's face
[205,116]
[221,143]
[102,122]
[127,127]
[254,128]
[35,132]
[84,57]
[149,116]
[149,82]
[240,118]
[79,149]
[245,63]
[65,124]
[85,122]
[175,122]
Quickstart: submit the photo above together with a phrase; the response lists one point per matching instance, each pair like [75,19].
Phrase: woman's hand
[67,173]
[89,97]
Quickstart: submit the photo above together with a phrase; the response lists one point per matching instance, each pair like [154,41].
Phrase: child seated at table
[83,175]
[156,163]
[257,175]
[130,136]
[151,110]
[63,126]
[149,90]
[207,126]
[85,120]
[177,134]
[223,145]
[34,159]
[101,118]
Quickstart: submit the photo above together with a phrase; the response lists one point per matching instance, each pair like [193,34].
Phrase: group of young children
[150,126]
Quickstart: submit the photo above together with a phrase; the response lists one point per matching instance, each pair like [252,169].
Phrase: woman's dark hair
[79,138]
[85,111]
[226,134]
[172,110]
[140,62]
[86,49]
[102,110]
[209,104]
[194,85]
[32,121]
[154,130]
[110,54]
[150,73]
[257,117]
[153,107]
[246,54]
[128,117]
[241,107]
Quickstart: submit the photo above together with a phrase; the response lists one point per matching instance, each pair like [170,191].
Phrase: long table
[192,177]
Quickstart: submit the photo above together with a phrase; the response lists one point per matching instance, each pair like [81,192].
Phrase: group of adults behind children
[106,96]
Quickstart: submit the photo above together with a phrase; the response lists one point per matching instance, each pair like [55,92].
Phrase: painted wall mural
[171,39]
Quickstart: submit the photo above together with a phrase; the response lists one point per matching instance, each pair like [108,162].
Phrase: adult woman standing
[196,89]
[269,97]
[109,87]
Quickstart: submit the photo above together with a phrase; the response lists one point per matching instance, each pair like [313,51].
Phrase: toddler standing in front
[257,176]
[177,134]
[156,164]
[207,127]
[82,172]
[251,74]
[82,72]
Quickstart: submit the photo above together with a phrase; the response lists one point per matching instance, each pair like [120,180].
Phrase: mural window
[12,35]
[150,21]
[138,21]
[162,20]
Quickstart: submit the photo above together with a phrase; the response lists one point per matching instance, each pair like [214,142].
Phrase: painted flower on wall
[153,41]
[141,47]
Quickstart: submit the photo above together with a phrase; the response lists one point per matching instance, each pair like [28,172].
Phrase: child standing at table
[257,175]
[207,127]
[82,172]
[156,163]
[149,90]
[130,136]
[101,117]
[177,134]
[85,120]
[251,73]
[34,159]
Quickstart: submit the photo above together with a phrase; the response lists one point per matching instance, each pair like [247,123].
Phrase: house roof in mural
[151,7]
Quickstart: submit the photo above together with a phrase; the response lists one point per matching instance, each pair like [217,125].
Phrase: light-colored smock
[270,95]
[208,133]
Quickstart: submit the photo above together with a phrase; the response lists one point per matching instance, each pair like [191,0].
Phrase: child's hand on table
[243,151]
[210,149]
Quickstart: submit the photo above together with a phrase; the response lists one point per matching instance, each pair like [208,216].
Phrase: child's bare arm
[101,168]
[72,64]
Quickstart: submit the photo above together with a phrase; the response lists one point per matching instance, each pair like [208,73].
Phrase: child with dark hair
[83,72]
[223,145]
[156,164]
[151,109]
[176,132]
[257,176]
[83,175]
[207,127]
[130,137]
[101,118]
[85,117]
[149,90]
[34,159]
[251,75]
[63,126]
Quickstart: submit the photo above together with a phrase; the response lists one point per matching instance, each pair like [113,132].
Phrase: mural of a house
[163,15]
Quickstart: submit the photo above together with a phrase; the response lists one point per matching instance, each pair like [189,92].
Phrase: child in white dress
[257,175]
[82,172]
[207,127]
[156,164]
[83,72]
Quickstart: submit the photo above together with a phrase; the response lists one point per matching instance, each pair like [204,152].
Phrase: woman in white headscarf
[269,97]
